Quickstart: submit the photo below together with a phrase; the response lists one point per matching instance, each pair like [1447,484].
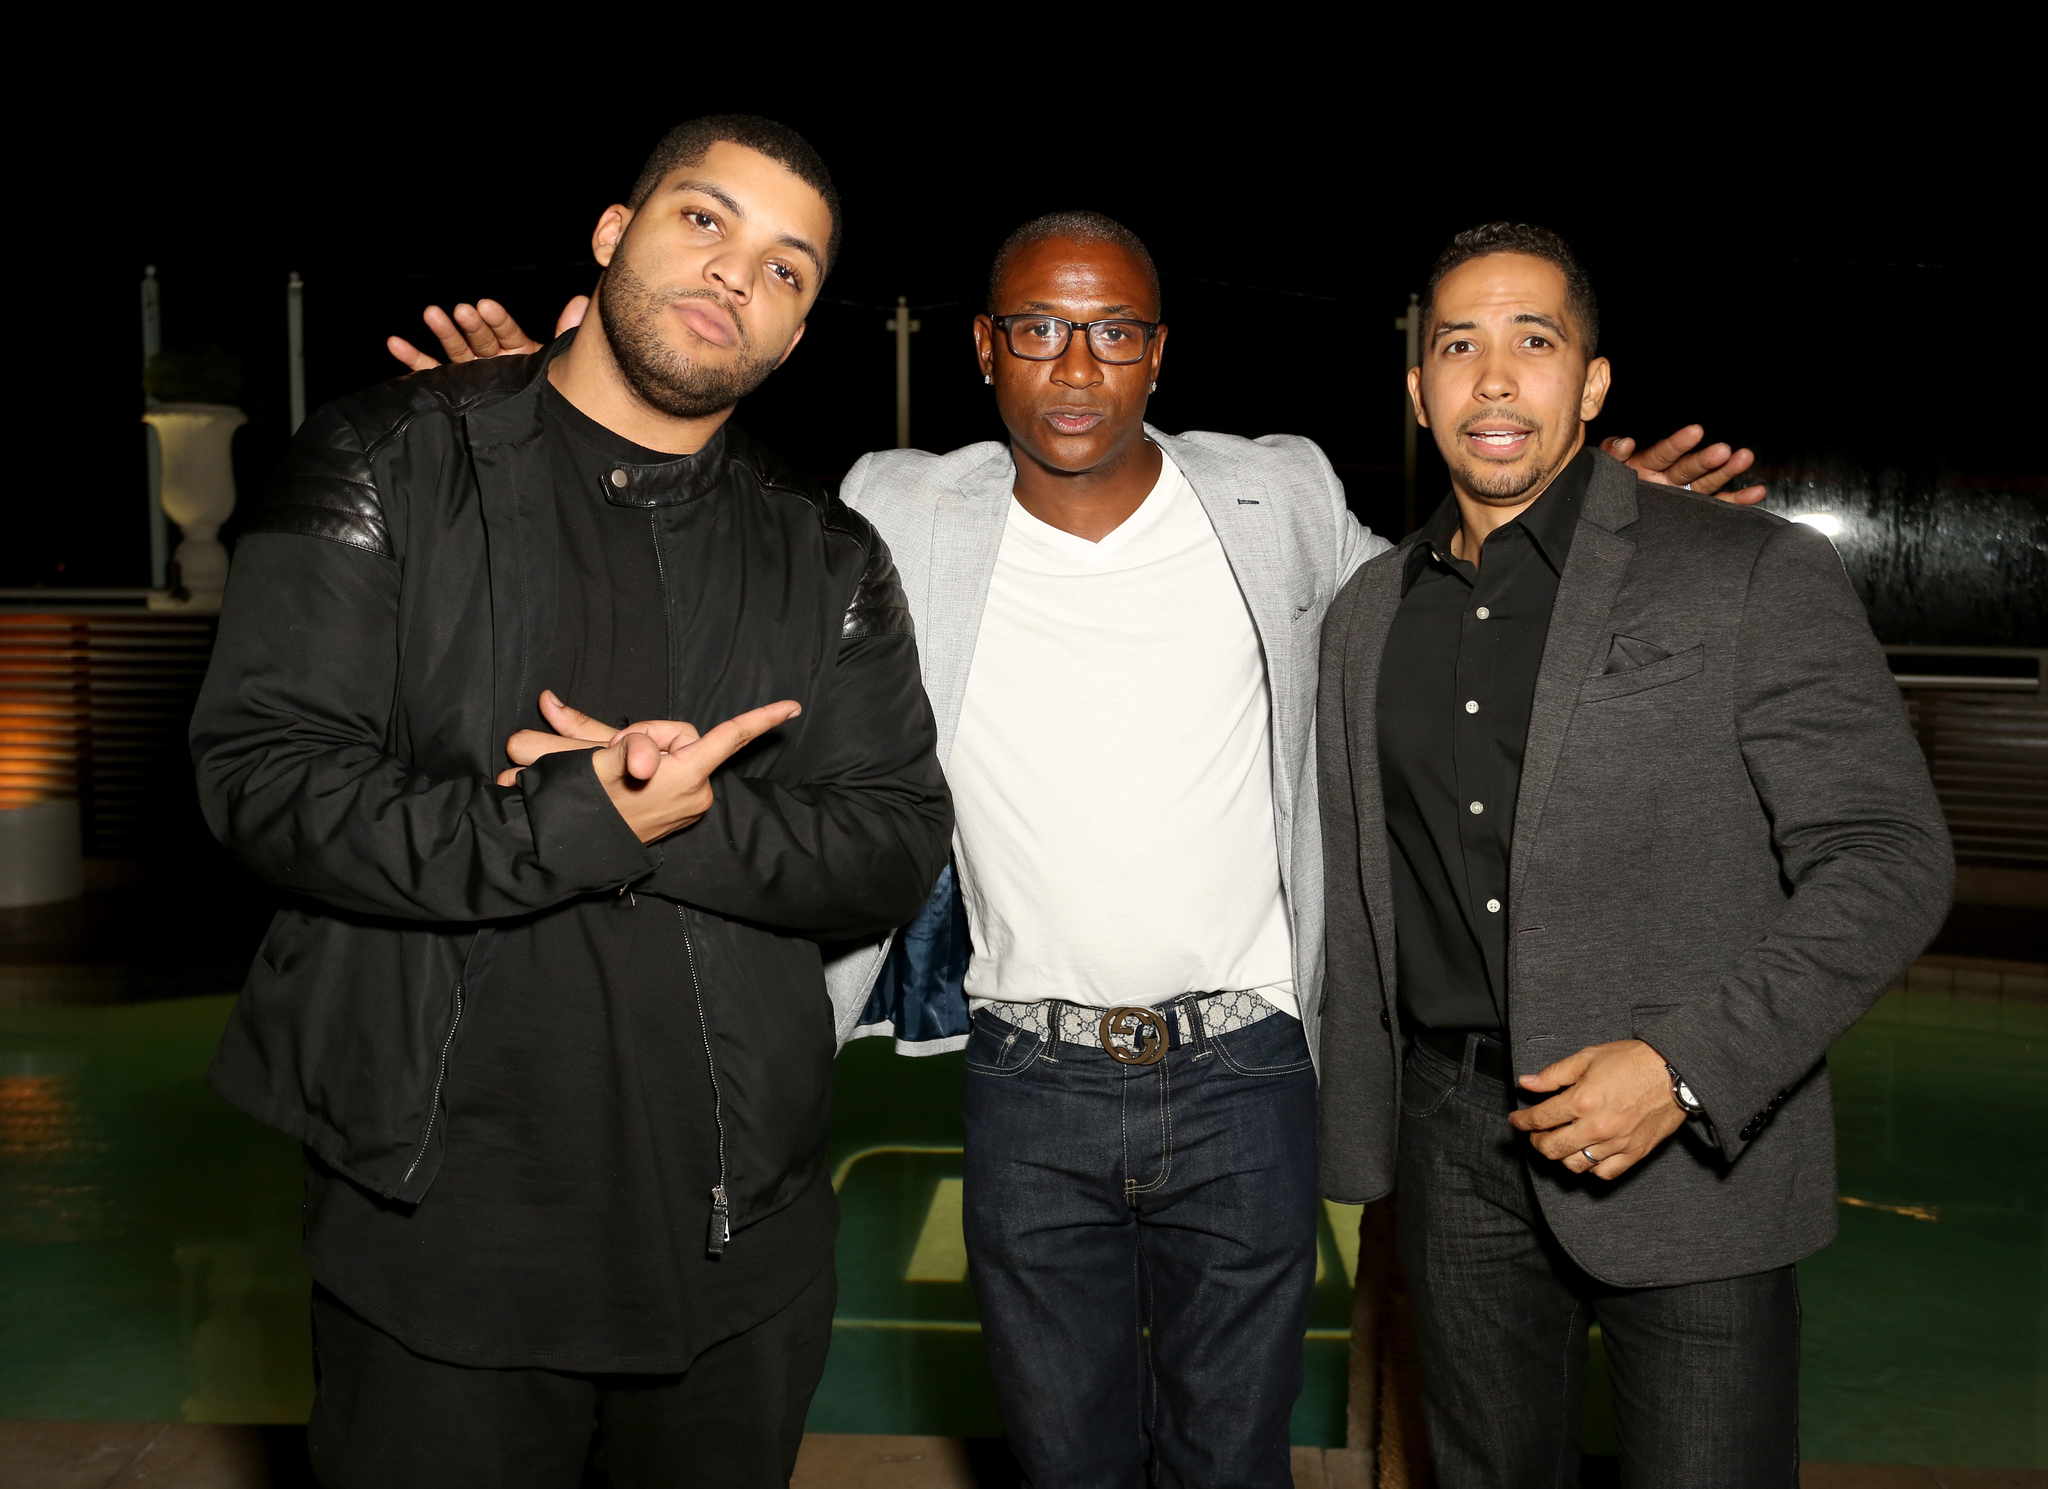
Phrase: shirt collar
[1550,520]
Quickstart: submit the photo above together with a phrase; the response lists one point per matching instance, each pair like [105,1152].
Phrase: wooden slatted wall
[95,704]
[1988,752]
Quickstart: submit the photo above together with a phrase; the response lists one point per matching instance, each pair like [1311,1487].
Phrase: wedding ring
[1587,1154]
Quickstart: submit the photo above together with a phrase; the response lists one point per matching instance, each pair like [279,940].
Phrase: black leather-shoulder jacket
[378,646]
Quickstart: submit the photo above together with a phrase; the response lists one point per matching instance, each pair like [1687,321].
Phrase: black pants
[1706,1375]
[386,1418]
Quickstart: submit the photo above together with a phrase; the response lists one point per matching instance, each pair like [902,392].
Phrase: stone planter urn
[198,494]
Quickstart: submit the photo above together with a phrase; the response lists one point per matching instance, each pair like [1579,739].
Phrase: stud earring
[988,377]
[1153,389]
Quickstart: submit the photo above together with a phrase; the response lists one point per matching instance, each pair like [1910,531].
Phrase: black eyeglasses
[1040,338]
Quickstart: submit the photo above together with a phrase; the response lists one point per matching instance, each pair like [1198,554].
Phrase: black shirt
[1456,683]
[567,1226]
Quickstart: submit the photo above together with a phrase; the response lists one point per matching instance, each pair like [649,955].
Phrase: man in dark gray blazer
[1623,827]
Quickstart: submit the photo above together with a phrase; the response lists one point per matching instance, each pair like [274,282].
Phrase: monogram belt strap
[1134,1035]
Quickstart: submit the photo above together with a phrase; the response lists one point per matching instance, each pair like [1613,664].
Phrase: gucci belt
[1142,1027]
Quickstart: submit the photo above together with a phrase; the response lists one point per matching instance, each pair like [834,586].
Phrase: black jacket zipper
[721,1213]
[440,1078]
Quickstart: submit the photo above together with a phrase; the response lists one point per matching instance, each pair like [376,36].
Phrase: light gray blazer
[1725,845]
[1279,510]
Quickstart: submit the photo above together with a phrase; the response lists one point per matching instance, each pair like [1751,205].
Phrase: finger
[572,314]
[481,338]
[414,359]
[1664,454]
[1707,482]
[1620,446]
[1563,1073]
[1690,469]
[670,734]
[510,337]
[573,722]
[735,734]
[1748,496]
[510,777]
[448,334]
[1556,1112]
[528,745]
[643,756]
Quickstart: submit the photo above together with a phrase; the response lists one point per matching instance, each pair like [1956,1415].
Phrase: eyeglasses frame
[1150,328]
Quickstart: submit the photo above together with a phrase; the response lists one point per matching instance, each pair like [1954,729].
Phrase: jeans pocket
[996,1047]
[1272,1046]
[1424,1087]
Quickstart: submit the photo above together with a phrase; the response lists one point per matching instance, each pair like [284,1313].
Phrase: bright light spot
[1825,522]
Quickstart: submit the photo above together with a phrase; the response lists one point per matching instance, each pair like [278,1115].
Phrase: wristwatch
[1682,1093]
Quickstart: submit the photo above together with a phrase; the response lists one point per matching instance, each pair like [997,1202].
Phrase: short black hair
[1080,227]
[1536,242]
[689,142]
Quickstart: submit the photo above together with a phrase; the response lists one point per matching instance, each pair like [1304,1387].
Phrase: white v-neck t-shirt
[1112,772]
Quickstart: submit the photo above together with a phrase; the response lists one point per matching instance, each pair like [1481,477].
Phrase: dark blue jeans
[1143,1242]
[1706,1374]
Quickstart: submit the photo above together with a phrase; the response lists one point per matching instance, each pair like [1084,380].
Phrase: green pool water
[149,1263]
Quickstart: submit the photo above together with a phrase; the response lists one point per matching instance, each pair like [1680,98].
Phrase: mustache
[1519,421]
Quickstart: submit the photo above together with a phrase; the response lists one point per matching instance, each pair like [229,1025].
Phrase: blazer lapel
[1578,642]
[967,534]
[1379,596]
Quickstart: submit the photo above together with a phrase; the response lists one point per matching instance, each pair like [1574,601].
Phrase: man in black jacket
[556,1035]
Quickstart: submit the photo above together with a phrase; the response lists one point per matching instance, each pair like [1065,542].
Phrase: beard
[661,376]
[1503,485]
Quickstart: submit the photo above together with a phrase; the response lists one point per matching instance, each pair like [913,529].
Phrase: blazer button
[1386,1022]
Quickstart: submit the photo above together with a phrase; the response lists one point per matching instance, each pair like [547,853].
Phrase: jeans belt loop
[1055,1014]
[1191,1009]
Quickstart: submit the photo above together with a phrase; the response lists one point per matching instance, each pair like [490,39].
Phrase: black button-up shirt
[1456,683]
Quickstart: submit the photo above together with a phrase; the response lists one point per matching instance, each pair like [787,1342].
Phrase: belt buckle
[1127,1023]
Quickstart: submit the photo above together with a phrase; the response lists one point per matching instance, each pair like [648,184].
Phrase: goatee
[663,377]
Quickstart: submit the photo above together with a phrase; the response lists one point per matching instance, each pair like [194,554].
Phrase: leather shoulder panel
[325,488]
[879,606]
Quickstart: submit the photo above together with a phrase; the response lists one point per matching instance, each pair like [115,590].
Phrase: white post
[152,343]
[295,337]
[1412,324]
[903,325]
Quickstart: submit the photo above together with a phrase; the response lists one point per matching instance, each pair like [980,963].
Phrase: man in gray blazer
[1624,826]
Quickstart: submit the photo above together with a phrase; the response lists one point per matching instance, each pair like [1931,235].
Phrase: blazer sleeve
[1859,834]
[1356,1136]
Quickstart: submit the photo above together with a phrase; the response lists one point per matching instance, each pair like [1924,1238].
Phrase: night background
[1831,271]
[1832,258]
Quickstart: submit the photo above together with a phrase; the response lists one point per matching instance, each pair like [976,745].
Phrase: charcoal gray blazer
[1725,844]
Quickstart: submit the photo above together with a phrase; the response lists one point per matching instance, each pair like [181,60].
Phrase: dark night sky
[1815,269]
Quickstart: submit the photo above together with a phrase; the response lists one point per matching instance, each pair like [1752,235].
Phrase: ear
[611,228]
[1599,378]
[1415,396]
[793,340]
[1158,350]
[985,345]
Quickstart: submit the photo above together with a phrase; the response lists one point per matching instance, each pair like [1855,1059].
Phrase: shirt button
[1472,705]
[618,478]
[1493,907]
[1478,807]
[1482,612]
